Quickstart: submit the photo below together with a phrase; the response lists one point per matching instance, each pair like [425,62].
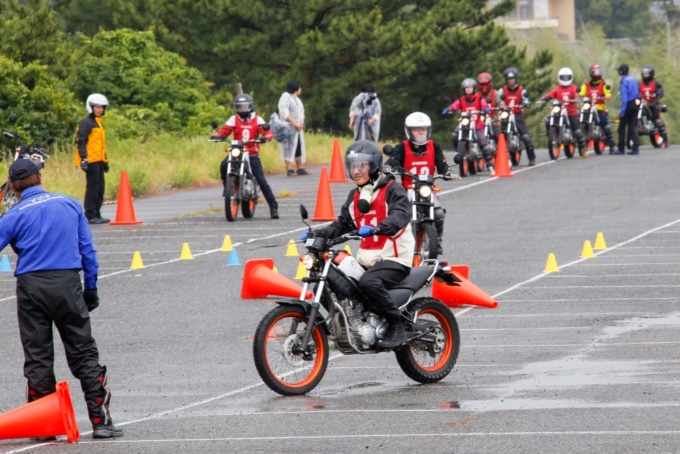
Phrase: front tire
[231,198]
[427,242]
[554,144]
[281,367]
[249,203]
[430,359]
[9,199]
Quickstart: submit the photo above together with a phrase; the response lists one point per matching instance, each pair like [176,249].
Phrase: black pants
[258,172]
[524,136]
[374,285]
[94,190]
[47,297]
[629,120]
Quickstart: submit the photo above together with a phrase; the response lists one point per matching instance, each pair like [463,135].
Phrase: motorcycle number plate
[422,177]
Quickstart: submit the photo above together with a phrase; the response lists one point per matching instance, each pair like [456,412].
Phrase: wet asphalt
[584,359]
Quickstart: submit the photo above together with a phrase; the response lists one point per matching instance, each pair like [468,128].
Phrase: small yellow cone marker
[600,245]
[587,250]
[551,265]
[301,272]
[347,248]
[137,261]
[226,244]
[186,253]
[292,250]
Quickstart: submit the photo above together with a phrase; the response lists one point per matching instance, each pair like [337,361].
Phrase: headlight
[308,261]
[505,115]
[465,121]
[482,118]
[556,109]
[236,152]
[637,101]
[586,106]
[425,191]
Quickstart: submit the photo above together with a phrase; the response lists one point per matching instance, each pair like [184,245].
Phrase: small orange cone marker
[324,210]
[260,281]
[600,244]
[461,292]
[551,264]
[125,210]
[337,167]
[587,250]
[49,416]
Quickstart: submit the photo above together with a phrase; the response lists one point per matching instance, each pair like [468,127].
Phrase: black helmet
[511,73]
[363,152]
[647,73]
[623,69]
[244,106]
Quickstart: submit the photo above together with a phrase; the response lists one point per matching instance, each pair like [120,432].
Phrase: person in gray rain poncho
[364,114]
[292,111]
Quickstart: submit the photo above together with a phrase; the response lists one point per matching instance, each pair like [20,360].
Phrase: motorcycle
[590,124]
[291,346]
[490,137]
[560,134]
[468,147]
[21,151]
[240,187]
[646,126]
[421,194]
[512,139]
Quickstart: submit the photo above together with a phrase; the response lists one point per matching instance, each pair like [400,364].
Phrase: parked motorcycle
[421,194]
[560,134]
[291,346]
[490,136]
[590,124]
[21,151]
[240,187]
[646,126]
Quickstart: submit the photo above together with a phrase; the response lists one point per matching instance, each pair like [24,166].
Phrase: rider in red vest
[490,94]
[651,92]
[473,102]
[421,155]
[514,95]
[567,92]
[381,212]
[247,125]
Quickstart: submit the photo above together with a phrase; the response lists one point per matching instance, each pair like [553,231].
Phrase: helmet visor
[565,77]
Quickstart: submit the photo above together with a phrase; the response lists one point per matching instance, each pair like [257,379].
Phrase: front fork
[304,348]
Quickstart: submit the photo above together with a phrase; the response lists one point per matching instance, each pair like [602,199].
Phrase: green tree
[618,18]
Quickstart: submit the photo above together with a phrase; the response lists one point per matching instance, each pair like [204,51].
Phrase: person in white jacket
[292,110]
[364,114]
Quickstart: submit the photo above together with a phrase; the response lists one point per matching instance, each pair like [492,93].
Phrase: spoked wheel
[249,203]
[463,169]
[9,198]
[480,164]
[515,157]
[427,242]
[231,198]
[554,145]
[598,146]
[431,358]
[656,139]
[472,168]
[569,150]
[279,362]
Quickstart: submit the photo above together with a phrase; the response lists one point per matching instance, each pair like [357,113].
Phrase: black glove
[216,138]
[106,167]
[263,140]
[83,165]
[91,298]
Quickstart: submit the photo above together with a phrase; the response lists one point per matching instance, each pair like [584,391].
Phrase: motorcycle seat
[416,279]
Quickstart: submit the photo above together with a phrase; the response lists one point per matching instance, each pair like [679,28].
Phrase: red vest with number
[247,130]
[648,91]
[513,98]
[568,95]
[376,214]
[595,92]
[417,165]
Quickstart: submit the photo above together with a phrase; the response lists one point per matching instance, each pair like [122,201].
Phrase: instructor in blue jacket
[630,92]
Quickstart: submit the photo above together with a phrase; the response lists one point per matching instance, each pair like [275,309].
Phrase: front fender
[307,308]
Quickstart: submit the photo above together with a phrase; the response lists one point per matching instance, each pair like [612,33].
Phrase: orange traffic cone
[324,203]
[125,212]
[337,168]
[260,281]
[502,163]
[50,416]
[460,293]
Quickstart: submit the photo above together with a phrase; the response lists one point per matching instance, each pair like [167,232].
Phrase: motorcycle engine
[247,187]
[514,143]
[364,327]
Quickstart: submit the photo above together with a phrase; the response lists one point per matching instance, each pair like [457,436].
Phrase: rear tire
[281,368]
[430,359]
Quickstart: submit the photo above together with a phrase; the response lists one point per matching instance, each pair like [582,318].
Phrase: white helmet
[96,99]
[565,76]
[417,120]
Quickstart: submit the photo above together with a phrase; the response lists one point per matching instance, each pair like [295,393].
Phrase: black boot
[395,337]
[106,431]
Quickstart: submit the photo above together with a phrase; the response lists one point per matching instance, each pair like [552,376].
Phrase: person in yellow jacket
[91,156]
[599,92]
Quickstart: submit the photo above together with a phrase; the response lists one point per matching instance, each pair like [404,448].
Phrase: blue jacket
[49,232]
[629,90]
